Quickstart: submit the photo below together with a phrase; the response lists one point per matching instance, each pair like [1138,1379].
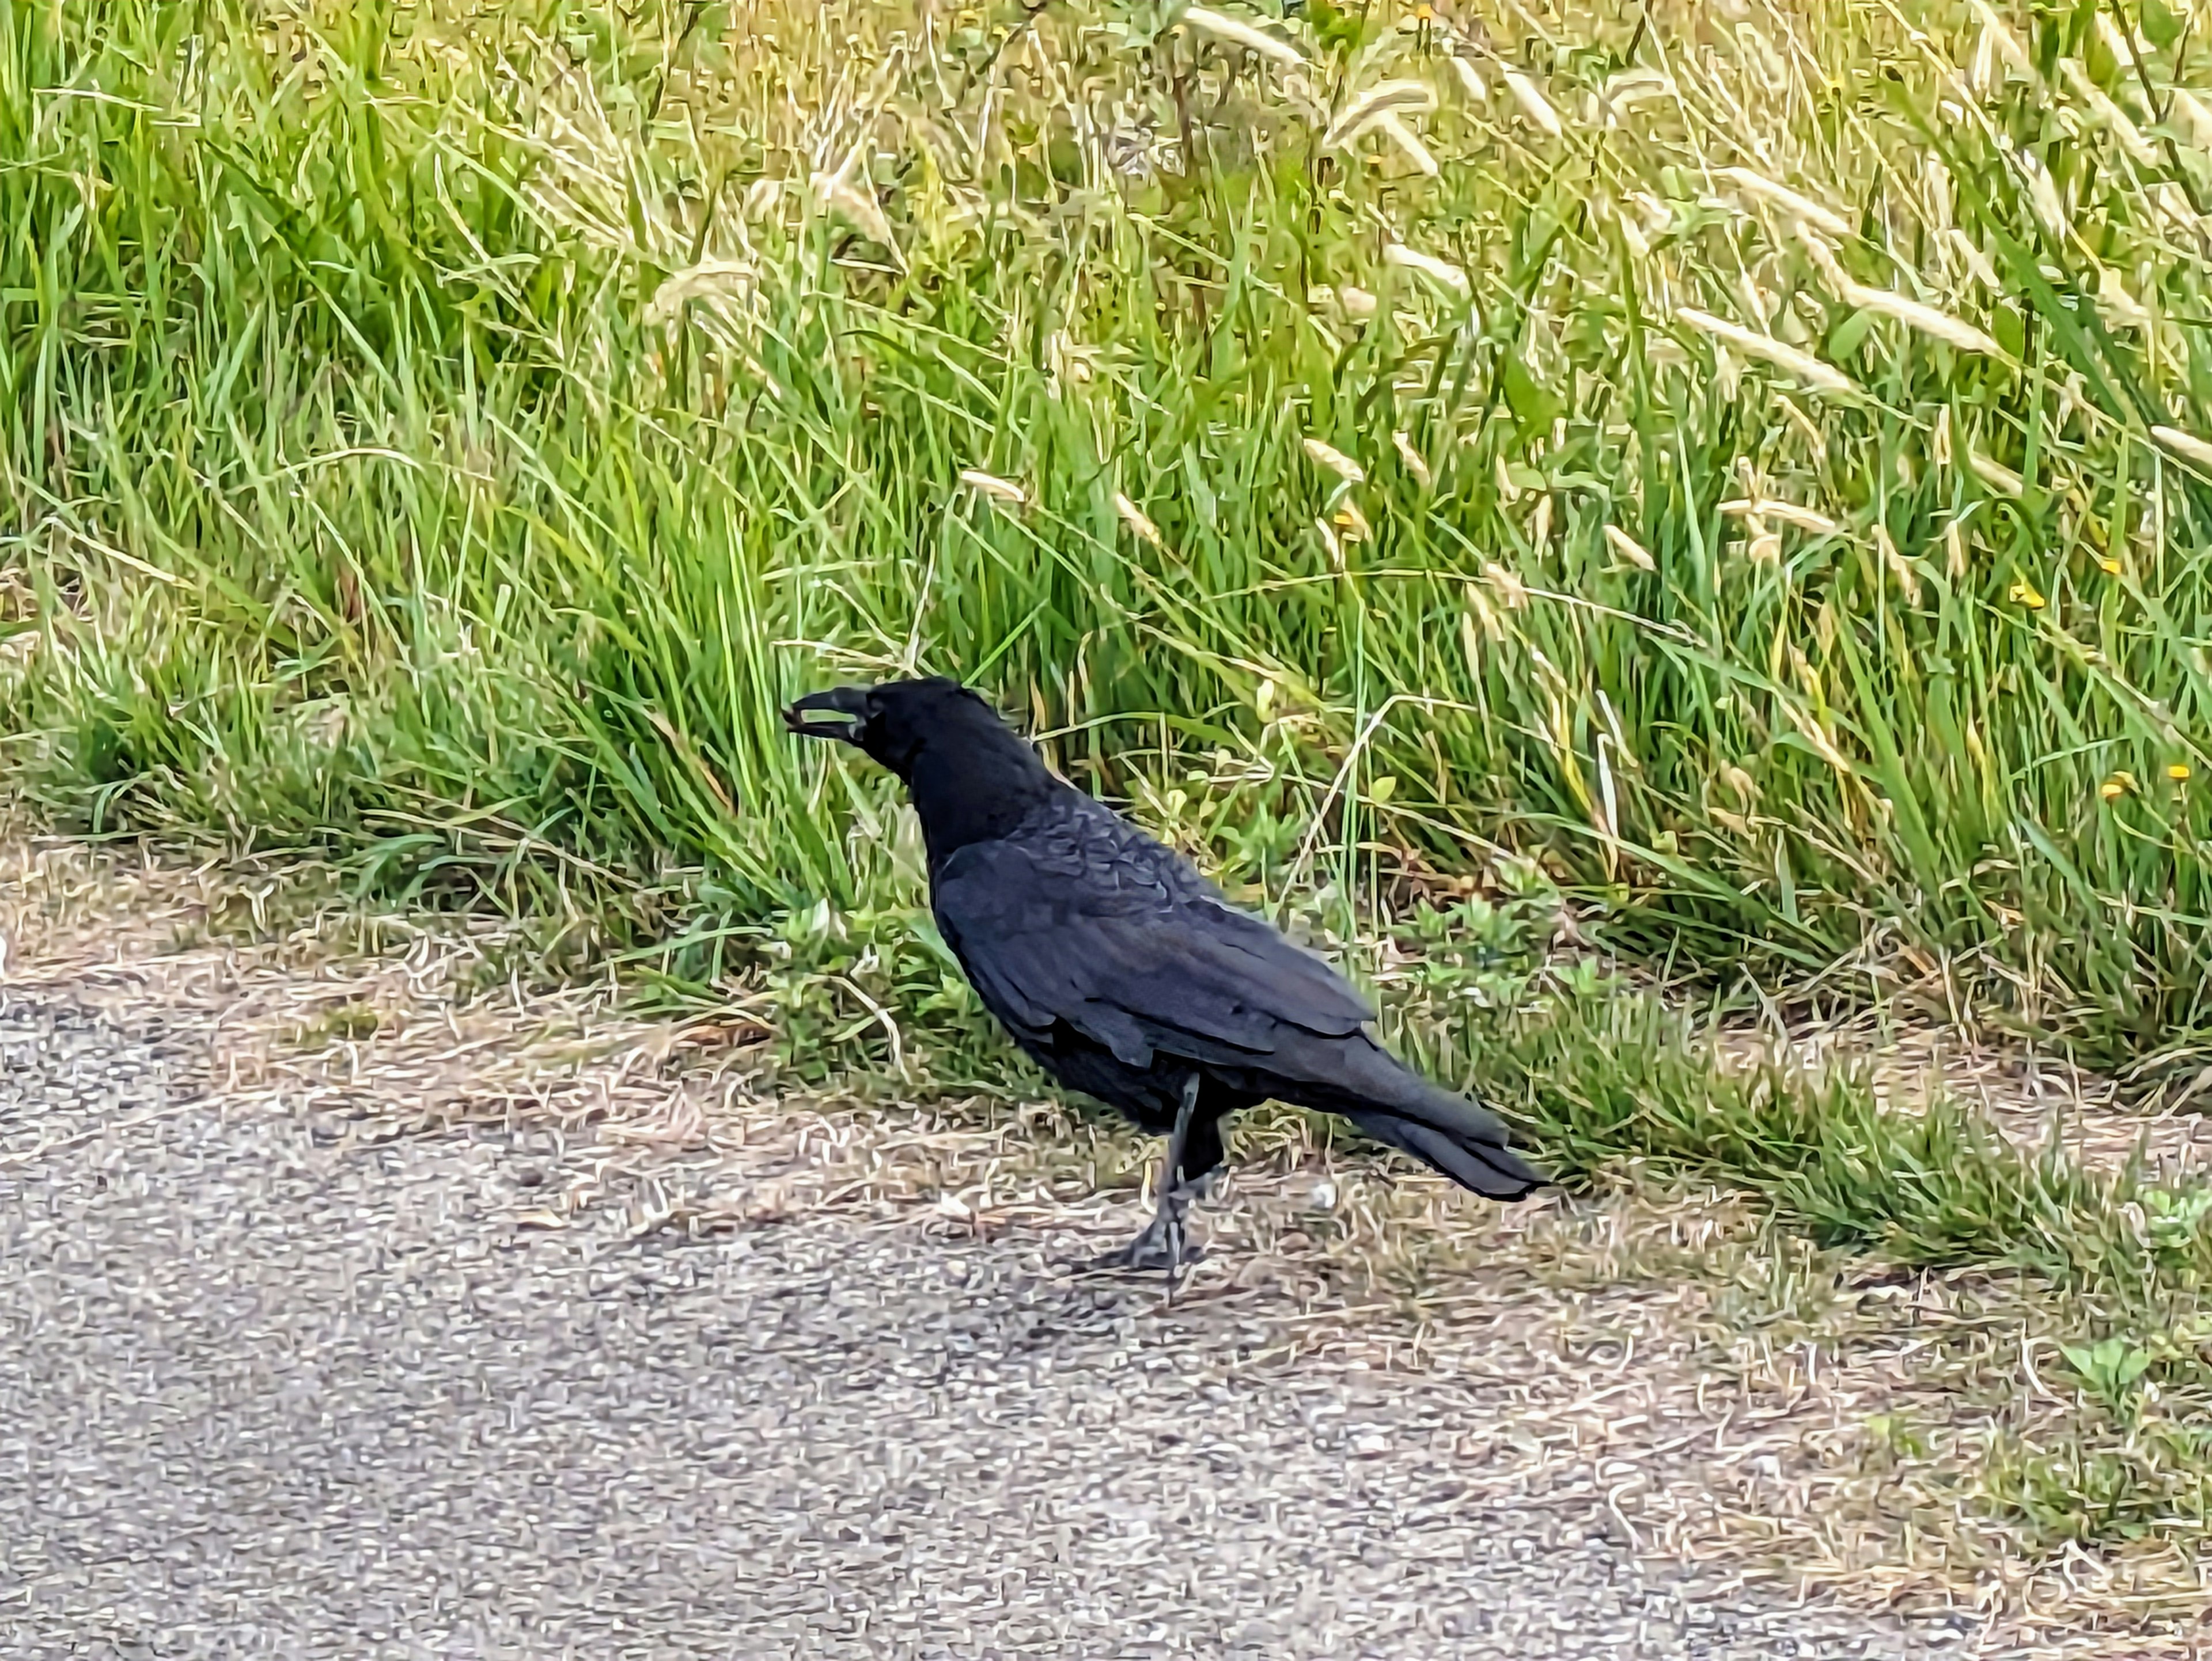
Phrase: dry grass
[1734,1392]
[2030,1095]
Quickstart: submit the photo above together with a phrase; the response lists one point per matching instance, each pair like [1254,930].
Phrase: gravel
[272,1386]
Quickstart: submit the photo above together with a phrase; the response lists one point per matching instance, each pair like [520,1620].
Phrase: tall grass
[1753,456]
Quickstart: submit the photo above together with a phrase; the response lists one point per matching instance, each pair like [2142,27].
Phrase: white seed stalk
[710,279]
[2187,446]
[1975,262]
[1370,108]
[1393,128]
[1789,513]
[1953,332]
[991,485]
[1632,237]
[1237,33]
[1414,462]
[1440,272]
[1817,736]
[2001,42]
[1796,206]
[1630,549]
[1541,114]
[1329,541]
[859,207]
[1994,473]
[1335,462]
[1134,518]
[1823,377]
[1982,71]
[1935,179]
[2043,196]
[1908,580]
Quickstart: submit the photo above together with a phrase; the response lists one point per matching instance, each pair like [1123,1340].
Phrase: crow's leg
[1164,1243]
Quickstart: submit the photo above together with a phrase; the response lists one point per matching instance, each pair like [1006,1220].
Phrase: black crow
[1126,974]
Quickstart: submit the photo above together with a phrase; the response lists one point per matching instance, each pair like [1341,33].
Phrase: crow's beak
[851,702]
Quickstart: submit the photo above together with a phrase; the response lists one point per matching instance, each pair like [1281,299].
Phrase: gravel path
[270,1388]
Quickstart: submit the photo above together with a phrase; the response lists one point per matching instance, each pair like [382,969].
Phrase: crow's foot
[1154,1249]
[1164,1244]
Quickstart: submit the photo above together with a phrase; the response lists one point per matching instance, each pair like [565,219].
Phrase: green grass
[445,446]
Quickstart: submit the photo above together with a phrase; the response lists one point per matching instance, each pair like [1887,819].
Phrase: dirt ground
[356,1305]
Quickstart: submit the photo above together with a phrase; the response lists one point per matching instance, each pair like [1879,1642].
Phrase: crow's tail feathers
[1473,1160]
[1447,1132]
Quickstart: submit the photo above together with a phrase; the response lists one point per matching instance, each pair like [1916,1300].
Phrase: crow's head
[895,723]
[970,776]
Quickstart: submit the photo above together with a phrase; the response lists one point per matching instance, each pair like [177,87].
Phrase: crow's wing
[1079,917]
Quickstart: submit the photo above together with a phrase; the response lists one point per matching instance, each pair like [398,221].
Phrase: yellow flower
[2024,594]
[2120,784]
[2110,564]
[2178,772]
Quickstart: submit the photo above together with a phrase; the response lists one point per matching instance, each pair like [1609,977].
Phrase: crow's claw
[1164,1244]
[1147,1251]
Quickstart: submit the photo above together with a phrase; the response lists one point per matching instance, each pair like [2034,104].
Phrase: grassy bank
[1727,453]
